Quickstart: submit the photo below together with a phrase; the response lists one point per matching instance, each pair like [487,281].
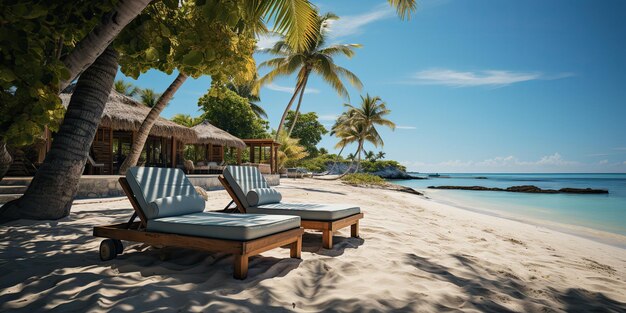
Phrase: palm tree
[380,155]
[49,194]
[247,91]
[358,124]
[296,18]
[125,88]
[369,155]
[149,98]
[289,150]
[186,120]
[52,190]
[316,58]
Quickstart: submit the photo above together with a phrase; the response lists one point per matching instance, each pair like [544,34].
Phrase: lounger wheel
[108,250]
[119,247]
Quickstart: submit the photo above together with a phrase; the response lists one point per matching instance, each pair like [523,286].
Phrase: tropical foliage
[232,113]
[315,58]
[186,120]
[309,130]
[358,124]
[35,36]
[363,179]
[247,90]
[290,151]
[148,97]
[127,89]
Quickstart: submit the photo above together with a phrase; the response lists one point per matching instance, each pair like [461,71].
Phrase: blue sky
[474,86]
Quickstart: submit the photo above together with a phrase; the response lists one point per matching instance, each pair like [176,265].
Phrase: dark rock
[481,177]
[525,189]
[583,191]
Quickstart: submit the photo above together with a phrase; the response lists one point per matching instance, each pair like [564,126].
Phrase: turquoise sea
[602,212]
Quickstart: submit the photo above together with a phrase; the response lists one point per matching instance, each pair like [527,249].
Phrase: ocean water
[602,212]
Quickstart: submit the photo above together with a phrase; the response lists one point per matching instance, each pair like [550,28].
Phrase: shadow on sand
[483,286]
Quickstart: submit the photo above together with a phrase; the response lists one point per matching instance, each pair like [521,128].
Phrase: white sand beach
[414,255]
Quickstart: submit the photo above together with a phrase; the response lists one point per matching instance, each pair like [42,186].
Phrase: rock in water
[525,189]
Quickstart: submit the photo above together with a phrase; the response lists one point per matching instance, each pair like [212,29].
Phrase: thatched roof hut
[207,133]
[125,113]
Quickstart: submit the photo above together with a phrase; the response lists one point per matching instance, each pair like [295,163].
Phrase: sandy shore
[414,255]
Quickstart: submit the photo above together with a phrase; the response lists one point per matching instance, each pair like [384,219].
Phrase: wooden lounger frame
[326,227]
[136,231]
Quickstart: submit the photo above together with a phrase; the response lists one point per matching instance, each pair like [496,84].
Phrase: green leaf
[172,4]
[192,58]
[152,54]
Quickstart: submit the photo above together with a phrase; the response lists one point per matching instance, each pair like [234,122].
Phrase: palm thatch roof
[125,113]
[207,133]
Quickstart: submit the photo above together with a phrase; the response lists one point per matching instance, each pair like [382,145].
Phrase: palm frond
[404,8]
[294,18]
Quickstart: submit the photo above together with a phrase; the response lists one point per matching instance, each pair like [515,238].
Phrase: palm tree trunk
[5,160]
[90,47]
[295,117]
[282,120]
[358,156]
[338,156]
[52,190]
[148,122]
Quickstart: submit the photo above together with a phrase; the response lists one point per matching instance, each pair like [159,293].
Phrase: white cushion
[260,196]
[151,183]
[176,205]
[243,179]
[308,211]
[224,225]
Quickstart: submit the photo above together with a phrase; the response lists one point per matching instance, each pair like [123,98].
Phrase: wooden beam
[174,150]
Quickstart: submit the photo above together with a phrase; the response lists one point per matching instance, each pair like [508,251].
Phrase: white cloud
[492,78]
[354,24]
[604,162]
[406,127]
[548,163]
[620,148]
[290,90]
[267,41]
[328,117]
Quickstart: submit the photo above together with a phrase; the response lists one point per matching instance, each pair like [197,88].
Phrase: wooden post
[173,152]
[238,156]
[354,229]
[252,153]
[296,249]
[222,150]
[272,159]
[241,266]
[327,239]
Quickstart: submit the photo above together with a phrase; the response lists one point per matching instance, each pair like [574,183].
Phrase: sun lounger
[171,213]
[251,193]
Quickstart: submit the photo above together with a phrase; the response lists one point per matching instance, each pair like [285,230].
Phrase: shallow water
[604,212]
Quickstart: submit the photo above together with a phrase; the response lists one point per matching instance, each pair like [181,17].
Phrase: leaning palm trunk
[52,190]
[90,47]
[358,156]
[295,116]
[338,156]
[148,122]
[5,160]
[282,120]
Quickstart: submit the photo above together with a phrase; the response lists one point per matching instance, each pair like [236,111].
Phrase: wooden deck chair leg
[327,239]
[354,229]
[241,266]
[296,248]
[229,204]
[131,220]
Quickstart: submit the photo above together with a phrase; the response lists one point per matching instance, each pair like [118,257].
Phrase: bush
[319,163]
[363,179]
[379,165]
